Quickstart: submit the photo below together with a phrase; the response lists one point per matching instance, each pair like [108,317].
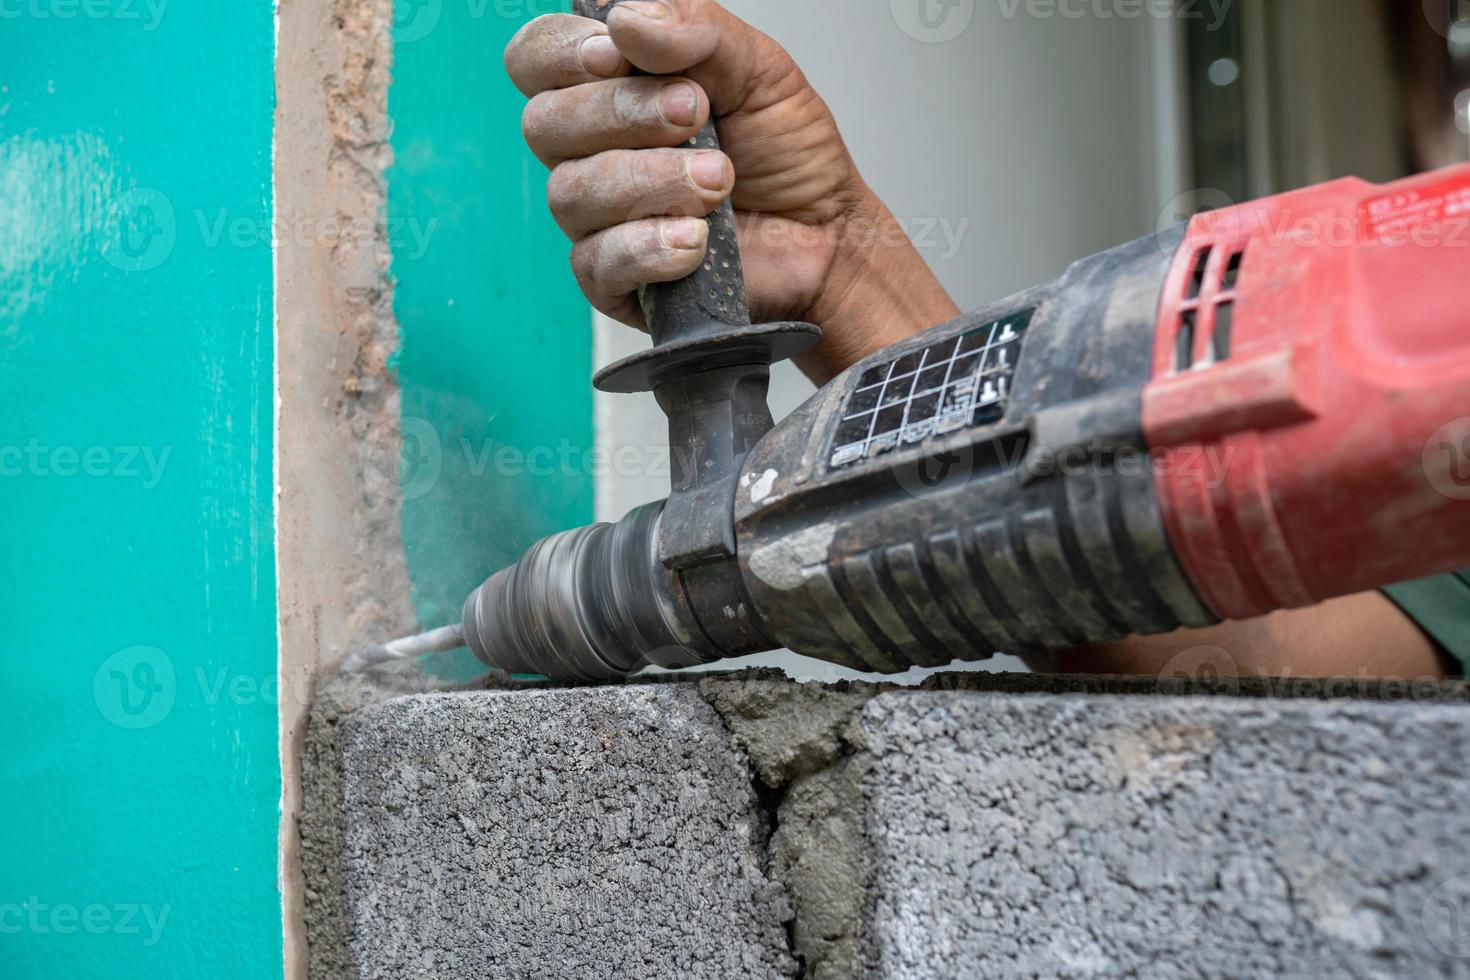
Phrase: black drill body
[1025,526]
[958,494]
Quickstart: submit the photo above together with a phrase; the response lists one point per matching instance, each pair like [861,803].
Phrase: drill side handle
[703,320]
[709,368]
[715,292]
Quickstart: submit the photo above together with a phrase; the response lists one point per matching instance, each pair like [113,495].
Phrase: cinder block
[1014,827]
[609,833]
[1105,836]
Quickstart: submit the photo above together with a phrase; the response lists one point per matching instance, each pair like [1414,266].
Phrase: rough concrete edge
[324,903]
[342,578]
[324,900]
[1208,684]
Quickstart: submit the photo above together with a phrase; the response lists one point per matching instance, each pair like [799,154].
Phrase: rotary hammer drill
[1263,408]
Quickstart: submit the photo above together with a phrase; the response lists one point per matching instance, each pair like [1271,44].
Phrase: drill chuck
[592,604]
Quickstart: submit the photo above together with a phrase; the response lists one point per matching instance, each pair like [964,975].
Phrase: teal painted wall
[139,776]
[495,356]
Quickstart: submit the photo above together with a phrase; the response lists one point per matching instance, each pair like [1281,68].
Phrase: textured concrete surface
[323,817]
[596,833]
[1045,836]
[985,826]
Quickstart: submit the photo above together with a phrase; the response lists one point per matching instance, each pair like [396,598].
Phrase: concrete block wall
[1002,826]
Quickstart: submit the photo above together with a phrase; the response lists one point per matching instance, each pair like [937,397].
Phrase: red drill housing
[1315,346]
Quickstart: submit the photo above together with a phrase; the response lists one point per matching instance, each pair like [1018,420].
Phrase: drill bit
[434,641]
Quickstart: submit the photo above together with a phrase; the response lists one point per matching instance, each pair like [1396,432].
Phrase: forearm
[878,291]
[1356,636]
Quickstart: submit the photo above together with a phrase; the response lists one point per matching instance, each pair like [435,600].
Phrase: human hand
[817,243]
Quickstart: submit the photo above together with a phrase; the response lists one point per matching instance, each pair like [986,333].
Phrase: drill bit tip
[434,641]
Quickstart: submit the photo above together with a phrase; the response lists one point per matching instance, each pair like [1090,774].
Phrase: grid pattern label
[955,384]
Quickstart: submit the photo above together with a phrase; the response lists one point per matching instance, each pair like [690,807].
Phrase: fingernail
[685,234]
[600,56]
[707,169]
[652,9]
[678,103]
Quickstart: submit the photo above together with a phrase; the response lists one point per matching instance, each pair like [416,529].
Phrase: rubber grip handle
[715,293]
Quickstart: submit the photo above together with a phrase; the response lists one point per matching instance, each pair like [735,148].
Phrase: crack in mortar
[802,742]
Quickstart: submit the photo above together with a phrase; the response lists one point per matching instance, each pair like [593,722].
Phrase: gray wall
[1021,144]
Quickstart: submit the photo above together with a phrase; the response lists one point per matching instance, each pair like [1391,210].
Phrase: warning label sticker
[1406,217]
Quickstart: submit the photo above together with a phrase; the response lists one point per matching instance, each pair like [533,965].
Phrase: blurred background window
[1285,94]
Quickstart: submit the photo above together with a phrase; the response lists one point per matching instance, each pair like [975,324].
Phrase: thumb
[739,67]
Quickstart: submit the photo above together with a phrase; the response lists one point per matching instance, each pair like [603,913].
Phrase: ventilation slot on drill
[1203,291]
[1232,270]
[1222,337]
[1197,279]
[1224,327]
[1184,342]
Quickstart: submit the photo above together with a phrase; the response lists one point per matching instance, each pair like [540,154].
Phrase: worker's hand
[817,243]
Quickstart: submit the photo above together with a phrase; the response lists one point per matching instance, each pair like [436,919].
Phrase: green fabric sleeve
[1441,607]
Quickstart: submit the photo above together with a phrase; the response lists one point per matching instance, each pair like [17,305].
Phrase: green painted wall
[140,777]
[495,356]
